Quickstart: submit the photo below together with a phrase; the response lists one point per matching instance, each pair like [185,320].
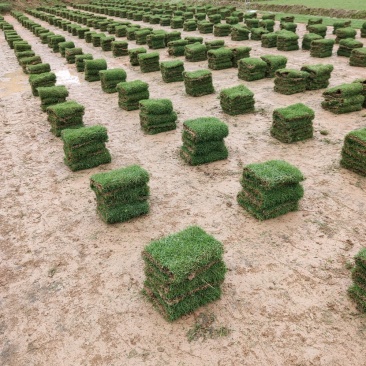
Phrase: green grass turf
[326,4]
[156,106]
[206,129]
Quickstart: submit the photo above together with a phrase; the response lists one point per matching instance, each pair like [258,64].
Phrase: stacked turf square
[220,58]
[347,45]
[121,194]
[92,68]
[190,25]
[308,38]
[149,62]
[172,36]
[63,45]
[119,48]
[192,40]
[25,61]
[134,55]
[237,100]
[38,69]
[176,22]
[195,52]
[85,147]
[270,189]
[287,41]
[222,30]
[156,40]
[289,81]
[344,98]
[289,26]
[157,115]
[293,123]
[354,151]
[106,43]
[65,115]
[362,81]
[172,71]
[39,80]
[110,78]
[239,53]
[269,40]
[321,48]
[319,76]
[141,36]
[319,29]
[130,93]
[252,68]
[51,95]
[358,57]
[205,27]
[203,140]
[343,33]
[176,48]
[274,63]
[215,44]
[267,24]
[239,33]
[256,33]
[183,272]
[71,53]
[80,61]
[198,83]
[357,291]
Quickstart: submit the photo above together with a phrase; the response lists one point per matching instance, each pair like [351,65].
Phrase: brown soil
[70,284]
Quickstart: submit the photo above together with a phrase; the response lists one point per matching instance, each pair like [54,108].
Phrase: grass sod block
[239,33]
[134,53]
[289,26]
[65,115]
[220,58]
[20,46]
[97,39]
[274,63]
[192,40]
[80,61]
[110,78]
[321,48]
[190,25]
[92,68]
[54,42]
[319,29]
[362,81]
[222,30]
[319,76]
[237,100]
[172,71]
[293,123]
[251,68]
[343,98]
[85,148]
[71,53]
[172,36]
[205,27]
[38,68]
[119,48]
[63,45]
[39,80]
[252,23]
[307,39]
[195,52]
[51,95]
[88,36]
[177,22]
[106,43]
[289,81]
[269,40]
[270,189]
[116,193]
[215,44]
[149,62]
[141,36]
[25,61]
[343,33]
[358,57]
[347,45]
[256,33]
[357,291]
[156,40]
[287,41]
[177,48]
[239,53]
[198,83]
[267,24]
[130,93]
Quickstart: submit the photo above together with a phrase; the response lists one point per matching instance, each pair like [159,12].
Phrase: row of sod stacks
[252,68]
[344,98]
[287,41]
[237,100]
[288,81]
[347,45]
[51,95]
[270,189]
[130,93]
[269,40]
[362,81]
[121,194]
[119,48]
[239,53]
[110,78]
[239,33]
[134,55]
[184,271]
[343,33]
[65,115]
[38,69]
[39,80]
[274,63]
[220,58]
[80,61]
[293,123]
[149,62]
[92,68]
[172,71]
[198,83]
[71,53]
[195,52]
[85,148]
[358,57]
[319,76]
[157,115]
[321,48]
[222,30]
[177,48]
[203,140]
[319,29]
[354,151]
[357,291]
[308,38]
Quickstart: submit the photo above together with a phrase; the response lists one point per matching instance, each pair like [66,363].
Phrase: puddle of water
[64,77]
[13,82]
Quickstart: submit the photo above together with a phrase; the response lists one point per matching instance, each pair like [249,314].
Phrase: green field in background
[328,4]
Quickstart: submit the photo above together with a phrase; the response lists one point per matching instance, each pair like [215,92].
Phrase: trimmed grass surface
[327,4]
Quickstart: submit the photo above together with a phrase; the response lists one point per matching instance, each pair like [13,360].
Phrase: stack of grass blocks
[274,63]
[85,148]
[149,62]
[354,151]
[172,71]
[237,100]
[321,48]
[198,83]
[319,76]
[287,41]
[92,69]
[293,123]
[344,98]
[119,48]
[41,80]
[220,58]
[357,291]
[51,95]
[80,61]
[134,55]
[308,38]
[130,93]
[347,45]
[289,81]
[252,68]
[110,78]
[157,115]
[121,194]
[195,52]
[270,189]
[177,48]
[203,140]
[358,57]
[184,271]
[239,53]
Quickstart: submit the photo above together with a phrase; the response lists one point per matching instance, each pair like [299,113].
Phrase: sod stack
[252,68]
[289,26]
[121,194]
[239,53]
[92,69]
[110,78]
[319,29]
[51,95]
[321,48]
[274,63]
[63,45]
[182,276]
[358,57]
[149,62]
[215,44]
[287,41]
[347,45]
[357,291]
[343,33]
[172,71]
[270,189]
[267,24]
[119,48]
[269,40]
[289,81]
[198,83]
[195,52]
[65,115]
[71,53]
[237,100]
[203,140]
[85,148]
[38,69]
[190,25]
[172,36]
[134,55]
[362,81]
[156,40]
[222,30]
[354,151]
[177,48]
[256,33]
[25,61]
[157,115]
[344,98]
[307,39]
[176,22]
[41,80]
[130,93]
[80,61]
[106,43]
[239,33]
[192,40]
[319,76]
[220,59]
[293,123]
[205,27]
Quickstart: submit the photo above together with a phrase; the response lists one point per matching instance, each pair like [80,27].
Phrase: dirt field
[70,284]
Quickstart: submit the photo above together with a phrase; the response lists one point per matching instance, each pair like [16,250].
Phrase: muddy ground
[70,284]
